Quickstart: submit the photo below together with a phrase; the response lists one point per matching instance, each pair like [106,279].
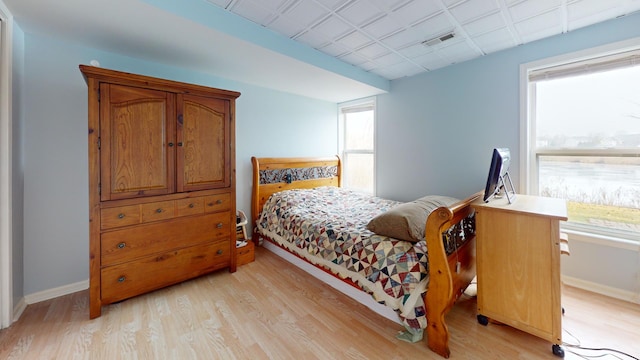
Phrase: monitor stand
[502,183]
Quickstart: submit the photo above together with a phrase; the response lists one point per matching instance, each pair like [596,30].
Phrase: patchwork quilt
[327,226]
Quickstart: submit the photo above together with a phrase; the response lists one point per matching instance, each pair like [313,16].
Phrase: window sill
[599,239]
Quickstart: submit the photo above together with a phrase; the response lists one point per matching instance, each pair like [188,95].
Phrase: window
[357,145]
[583,140]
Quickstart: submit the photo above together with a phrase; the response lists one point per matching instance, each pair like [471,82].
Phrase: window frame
[529,153]
[363,104]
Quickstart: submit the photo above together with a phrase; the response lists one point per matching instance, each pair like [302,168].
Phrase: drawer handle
[121,245]
[191,205]
[159,210]
[219,252]
[121,279]
[219,202]
[121,216]
[219,226]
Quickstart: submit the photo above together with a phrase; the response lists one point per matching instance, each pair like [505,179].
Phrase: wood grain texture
[203,138]
[138,164]
[159,150]
[272,309]
[519,263]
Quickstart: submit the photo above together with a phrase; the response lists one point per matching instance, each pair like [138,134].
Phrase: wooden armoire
[162,203]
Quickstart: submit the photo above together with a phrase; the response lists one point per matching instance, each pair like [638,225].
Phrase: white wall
[436,132]
[56,249]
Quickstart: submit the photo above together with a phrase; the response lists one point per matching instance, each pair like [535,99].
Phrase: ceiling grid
[386,37]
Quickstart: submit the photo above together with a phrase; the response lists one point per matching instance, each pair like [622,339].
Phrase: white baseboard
[358,295]
[602,289]
[19,309]
[56,292]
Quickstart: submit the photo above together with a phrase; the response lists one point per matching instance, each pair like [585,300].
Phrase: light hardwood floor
[271,309]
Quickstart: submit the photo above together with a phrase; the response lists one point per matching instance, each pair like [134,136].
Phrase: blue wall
[56,246]
[436,131]
[17,166]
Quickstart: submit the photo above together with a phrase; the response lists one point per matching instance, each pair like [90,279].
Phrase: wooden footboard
[449,275]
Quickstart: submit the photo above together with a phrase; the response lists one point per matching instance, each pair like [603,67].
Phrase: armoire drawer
[120,216]
[115,217]
[157,211]
[124,245]
[123,281]
[219,202]
[190,206]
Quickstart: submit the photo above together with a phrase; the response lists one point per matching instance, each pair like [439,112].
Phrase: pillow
[407,221]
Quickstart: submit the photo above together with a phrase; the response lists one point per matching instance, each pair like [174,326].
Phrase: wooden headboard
[271,175]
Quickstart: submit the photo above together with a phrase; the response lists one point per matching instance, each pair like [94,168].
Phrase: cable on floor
[611,352]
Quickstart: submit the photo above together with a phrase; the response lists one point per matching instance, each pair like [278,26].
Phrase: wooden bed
[449,275]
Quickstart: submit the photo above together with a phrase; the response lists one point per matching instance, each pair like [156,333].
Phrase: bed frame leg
[438,339]
[437,331]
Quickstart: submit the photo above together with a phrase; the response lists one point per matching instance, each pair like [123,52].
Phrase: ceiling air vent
[439,39]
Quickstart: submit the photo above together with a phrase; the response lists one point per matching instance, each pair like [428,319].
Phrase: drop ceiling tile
[354,58]
[255,12]
[332,4]
[415,50]
[389,59]
[355,40]
[389,5]
[431,61]
[306,13]
[415,11]
[495,41]
[373,51]
[402,39]
[333,27]
[286,26]
[451,3]
[359,12]
[434,27]
[485,24]
[401,70]
[313,38]
[387,73]
[527,9]
[588,12]
[272,5]
[382,27]
[473,9]
[334,49]
[368,66]
[458,52]
[409,70]
[540,26]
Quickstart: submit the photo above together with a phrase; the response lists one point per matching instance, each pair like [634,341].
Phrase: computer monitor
[498,174]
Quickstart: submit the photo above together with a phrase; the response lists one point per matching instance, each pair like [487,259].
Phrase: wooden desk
[518,264]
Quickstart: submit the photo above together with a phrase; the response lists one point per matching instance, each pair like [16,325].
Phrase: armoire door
[137,132]
[204,143]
